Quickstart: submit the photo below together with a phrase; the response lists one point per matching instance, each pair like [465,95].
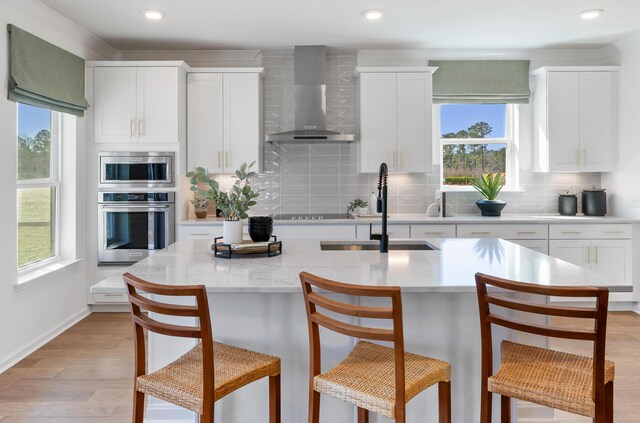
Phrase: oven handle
[126,207]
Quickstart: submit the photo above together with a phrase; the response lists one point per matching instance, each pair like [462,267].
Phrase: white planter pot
[232,232]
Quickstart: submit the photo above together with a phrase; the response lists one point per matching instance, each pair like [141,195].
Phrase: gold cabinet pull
[139,126]
[219,159]
[596,254]
[131,128]
[226,159]
[588,254]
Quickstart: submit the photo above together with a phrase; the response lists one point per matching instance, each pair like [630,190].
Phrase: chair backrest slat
[162,308]
[489,317]
[166,328]
[318,299]
[549,310]
[350,309]
[551,331]
[352,330]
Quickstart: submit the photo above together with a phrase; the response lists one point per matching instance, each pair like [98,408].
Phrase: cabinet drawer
[608,231]
[110,298]
[199,232]
[394,231]
[503,231]
[420,231]
[317,231]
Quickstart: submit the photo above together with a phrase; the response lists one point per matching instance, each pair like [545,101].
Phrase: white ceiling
[407,24]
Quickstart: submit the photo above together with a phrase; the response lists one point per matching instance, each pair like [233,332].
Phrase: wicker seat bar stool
[372,377]
[567,382]
[206,373]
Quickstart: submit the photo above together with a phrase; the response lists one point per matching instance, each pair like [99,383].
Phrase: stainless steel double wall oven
[136,211]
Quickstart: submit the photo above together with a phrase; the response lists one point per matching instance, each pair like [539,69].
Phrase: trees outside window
[38,184]
[475,139]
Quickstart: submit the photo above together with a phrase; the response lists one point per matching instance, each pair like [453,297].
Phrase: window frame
[510,138]
[54,181]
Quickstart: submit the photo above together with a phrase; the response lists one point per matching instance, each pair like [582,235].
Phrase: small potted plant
[200,206]
[234,204]
[489,186]
[357,204]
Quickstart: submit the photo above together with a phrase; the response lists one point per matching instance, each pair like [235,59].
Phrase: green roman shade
[44,75]
[481,81]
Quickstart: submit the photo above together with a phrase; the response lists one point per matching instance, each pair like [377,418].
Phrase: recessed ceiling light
[373,14]
[153,15]
[591,14]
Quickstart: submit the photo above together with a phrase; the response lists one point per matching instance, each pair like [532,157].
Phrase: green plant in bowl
[489,186]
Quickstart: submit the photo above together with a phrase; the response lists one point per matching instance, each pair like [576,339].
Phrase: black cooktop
[326,216]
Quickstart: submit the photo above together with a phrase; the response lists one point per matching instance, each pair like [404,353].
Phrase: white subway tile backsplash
[323,178]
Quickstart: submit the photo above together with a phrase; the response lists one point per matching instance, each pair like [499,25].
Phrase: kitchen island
[256,303]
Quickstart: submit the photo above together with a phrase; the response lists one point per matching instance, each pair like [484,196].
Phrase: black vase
[490,207]
[260,228]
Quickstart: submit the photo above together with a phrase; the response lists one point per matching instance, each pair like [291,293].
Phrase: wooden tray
[247,247]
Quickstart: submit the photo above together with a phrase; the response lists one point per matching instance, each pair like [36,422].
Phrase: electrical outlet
[633,200]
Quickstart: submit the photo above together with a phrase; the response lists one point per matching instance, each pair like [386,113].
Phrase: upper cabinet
[138,103]
[575,118]
[224,119]
[395,119]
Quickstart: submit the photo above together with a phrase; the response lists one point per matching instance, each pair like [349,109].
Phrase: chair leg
[485,403]
[138,407]
[608,391]
[505,409]
[363,415]
[274,399]
[314,406]
[444,402]
[207,413]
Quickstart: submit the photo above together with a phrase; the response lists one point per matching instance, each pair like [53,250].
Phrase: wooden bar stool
[204,374]
[568,382]
[372,377]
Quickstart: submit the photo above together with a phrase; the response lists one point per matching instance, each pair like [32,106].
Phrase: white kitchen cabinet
[575,118]
[199,231]
[606,249]
[395,119]
[317,231]
[539,245]
[422,231]
[504,231]
[137,103]
[395,231]
[224,120]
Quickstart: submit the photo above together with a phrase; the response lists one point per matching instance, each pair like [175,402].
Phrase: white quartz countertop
[449,268]
[423,219]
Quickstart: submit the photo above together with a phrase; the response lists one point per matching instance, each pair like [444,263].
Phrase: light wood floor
[84,375]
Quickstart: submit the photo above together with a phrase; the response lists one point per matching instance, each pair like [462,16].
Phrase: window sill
[44,273]
[470,189]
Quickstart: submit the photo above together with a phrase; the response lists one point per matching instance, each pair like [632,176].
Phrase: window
[38,185]
[476,139]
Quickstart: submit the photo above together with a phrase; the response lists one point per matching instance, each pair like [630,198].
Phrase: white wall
[626,182]
[31,316]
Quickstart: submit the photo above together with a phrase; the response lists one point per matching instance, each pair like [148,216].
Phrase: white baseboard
[636,307]
[532,413]
[163,413]
[21,353]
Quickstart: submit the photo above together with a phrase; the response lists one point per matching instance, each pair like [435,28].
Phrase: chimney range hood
[310,100]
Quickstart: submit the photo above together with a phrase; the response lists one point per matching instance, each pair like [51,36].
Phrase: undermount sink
[373,245]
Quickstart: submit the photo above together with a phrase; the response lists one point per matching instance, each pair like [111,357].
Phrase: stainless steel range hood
[310,100]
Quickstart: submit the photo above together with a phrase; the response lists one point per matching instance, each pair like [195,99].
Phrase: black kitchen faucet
[381,207]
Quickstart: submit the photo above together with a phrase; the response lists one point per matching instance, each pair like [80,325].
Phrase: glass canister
[567,204]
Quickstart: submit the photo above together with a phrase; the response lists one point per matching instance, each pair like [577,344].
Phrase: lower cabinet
[611,257]
[539,245]
[419,231]
[395,231]
[199,232]
[318,231]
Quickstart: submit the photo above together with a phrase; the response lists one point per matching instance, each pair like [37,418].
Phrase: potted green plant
[357,204]
[200,206]
[234,203]
[489,186]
